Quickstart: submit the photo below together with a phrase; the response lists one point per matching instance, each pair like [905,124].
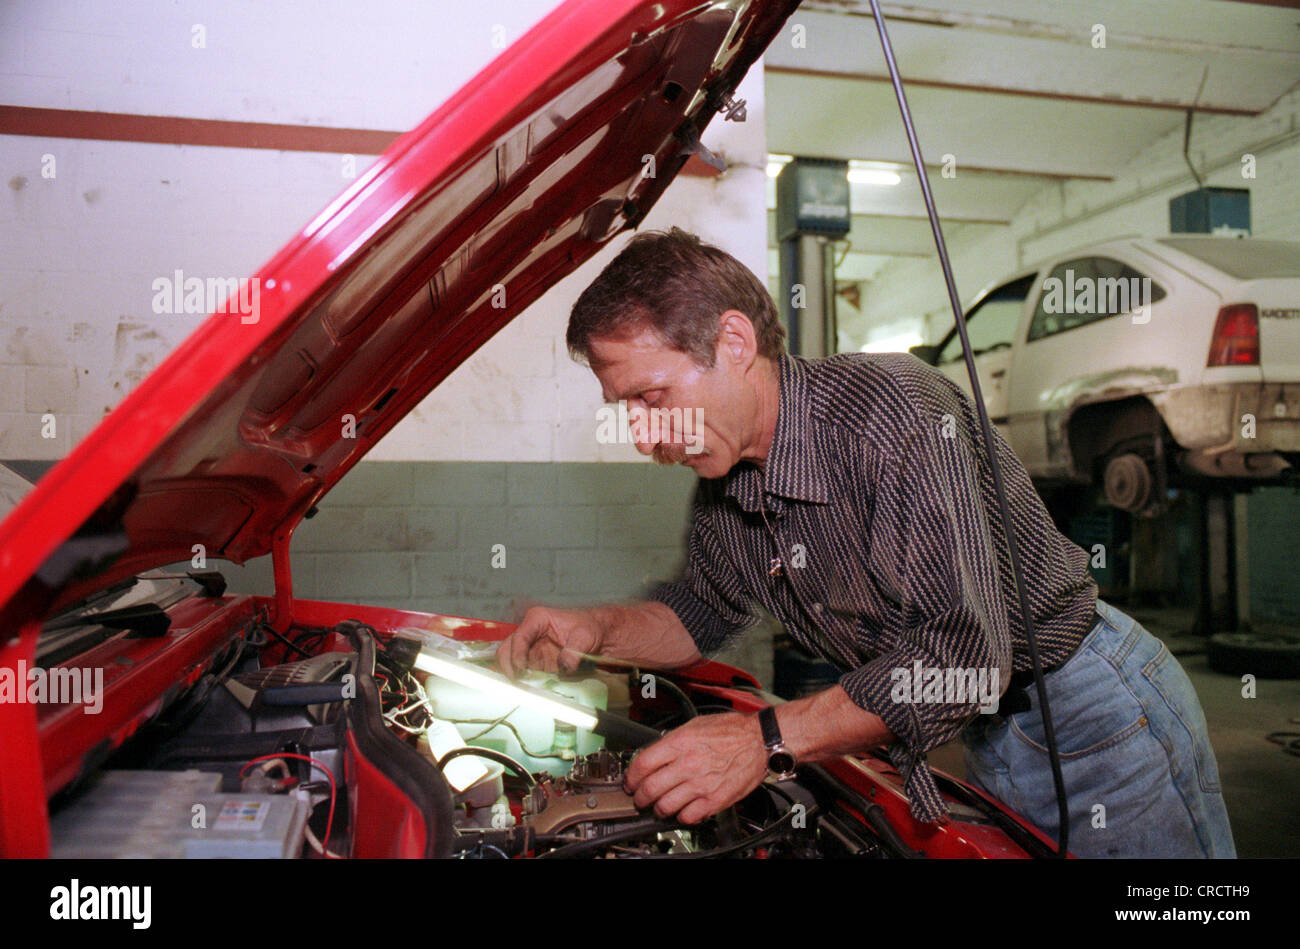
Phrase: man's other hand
[701,768]
[552,640]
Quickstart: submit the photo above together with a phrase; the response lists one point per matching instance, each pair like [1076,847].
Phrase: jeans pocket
[1178,696]
[1091,709]
[1077,745]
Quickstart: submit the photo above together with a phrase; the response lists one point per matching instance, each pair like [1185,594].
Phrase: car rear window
[1241,258]
[1116,288]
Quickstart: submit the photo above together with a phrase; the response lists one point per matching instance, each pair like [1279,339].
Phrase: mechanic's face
[718,423]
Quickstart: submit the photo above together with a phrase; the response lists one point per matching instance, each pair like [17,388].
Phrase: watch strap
[771,731]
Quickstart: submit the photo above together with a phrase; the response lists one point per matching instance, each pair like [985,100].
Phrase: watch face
[780,762]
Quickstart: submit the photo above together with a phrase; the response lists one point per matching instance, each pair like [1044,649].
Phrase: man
[850,497]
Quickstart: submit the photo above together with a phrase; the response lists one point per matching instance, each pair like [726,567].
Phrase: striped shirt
[872,534]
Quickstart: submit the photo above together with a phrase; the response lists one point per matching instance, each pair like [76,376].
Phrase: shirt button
[817,608]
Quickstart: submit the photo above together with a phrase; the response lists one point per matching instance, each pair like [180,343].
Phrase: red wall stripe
[219,133]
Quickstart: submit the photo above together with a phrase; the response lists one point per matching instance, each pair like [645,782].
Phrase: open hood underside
[505,189]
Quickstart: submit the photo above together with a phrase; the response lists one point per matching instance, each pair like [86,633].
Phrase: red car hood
[463,222]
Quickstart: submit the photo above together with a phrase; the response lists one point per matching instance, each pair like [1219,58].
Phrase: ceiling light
[860,172]
[776,162]
[873,176]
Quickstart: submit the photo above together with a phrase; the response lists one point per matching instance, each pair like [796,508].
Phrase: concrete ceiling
[1021,98]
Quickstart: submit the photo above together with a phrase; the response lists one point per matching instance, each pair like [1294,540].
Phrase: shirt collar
[794,469]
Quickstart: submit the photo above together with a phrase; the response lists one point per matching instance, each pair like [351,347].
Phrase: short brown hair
[674,283]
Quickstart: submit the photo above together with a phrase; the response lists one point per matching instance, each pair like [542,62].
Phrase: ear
[737,343]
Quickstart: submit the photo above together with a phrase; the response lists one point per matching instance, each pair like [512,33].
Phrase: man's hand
[550,639]
[701,768]
[713,761]
[647,634]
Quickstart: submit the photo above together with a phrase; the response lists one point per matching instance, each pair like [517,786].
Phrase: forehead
[626,365]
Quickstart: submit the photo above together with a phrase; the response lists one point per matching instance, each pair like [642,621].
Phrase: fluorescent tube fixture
[515,693]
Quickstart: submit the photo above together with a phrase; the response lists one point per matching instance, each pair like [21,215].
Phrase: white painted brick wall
[79,252]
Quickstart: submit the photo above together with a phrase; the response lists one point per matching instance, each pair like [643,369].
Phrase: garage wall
[902,298]
[96,222]
[1138,200]
[504,452]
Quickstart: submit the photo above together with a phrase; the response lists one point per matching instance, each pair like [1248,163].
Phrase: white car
[1142,363]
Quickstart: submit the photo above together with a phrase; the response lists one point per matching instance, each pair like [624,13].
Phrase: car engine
[265,744]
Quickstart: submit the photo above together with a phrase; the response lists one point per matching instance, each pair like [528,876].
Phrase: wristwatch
[781,762]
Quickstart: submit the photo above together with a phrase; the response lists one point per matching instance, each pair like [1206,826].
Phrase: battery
[175,814]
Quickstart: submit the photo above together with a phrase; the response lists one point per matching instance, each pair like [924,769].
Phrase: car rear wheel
[1128,482]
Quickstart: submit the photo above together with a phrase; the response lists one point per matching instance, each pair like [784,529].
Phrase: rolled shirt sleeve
[930,543]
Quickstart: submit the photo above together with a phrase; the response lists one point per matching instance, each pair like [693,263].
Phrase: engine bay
[327,742]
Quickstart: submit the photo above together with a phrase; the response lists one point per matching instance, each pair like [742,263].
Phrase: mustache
[668,454]
[672,454]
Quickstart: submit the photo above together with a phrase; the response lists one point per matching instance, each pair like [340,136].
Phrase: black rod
[1063,837]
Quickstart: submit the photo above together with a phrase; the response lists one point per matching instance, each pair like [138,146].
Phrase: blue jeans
[1139,771]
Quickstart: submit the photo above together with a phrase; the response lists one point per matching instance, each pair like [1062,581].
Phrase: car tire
[1274,656]
[1128,482]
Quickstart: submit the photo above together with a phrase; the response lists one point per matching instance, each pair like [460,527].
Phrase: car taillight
[1236,336]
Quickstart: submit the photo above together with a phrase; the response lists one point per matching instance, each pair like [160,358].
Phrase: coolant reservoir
[536,741]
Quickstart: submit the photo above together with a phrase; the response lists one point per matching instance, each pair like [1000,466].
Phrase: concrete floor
[1261,781]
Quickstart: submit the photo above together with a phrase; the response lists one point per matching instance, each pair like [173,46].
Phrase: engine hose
[584,847]
[872,812]
[684,700]
[754,840]
[498,756]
